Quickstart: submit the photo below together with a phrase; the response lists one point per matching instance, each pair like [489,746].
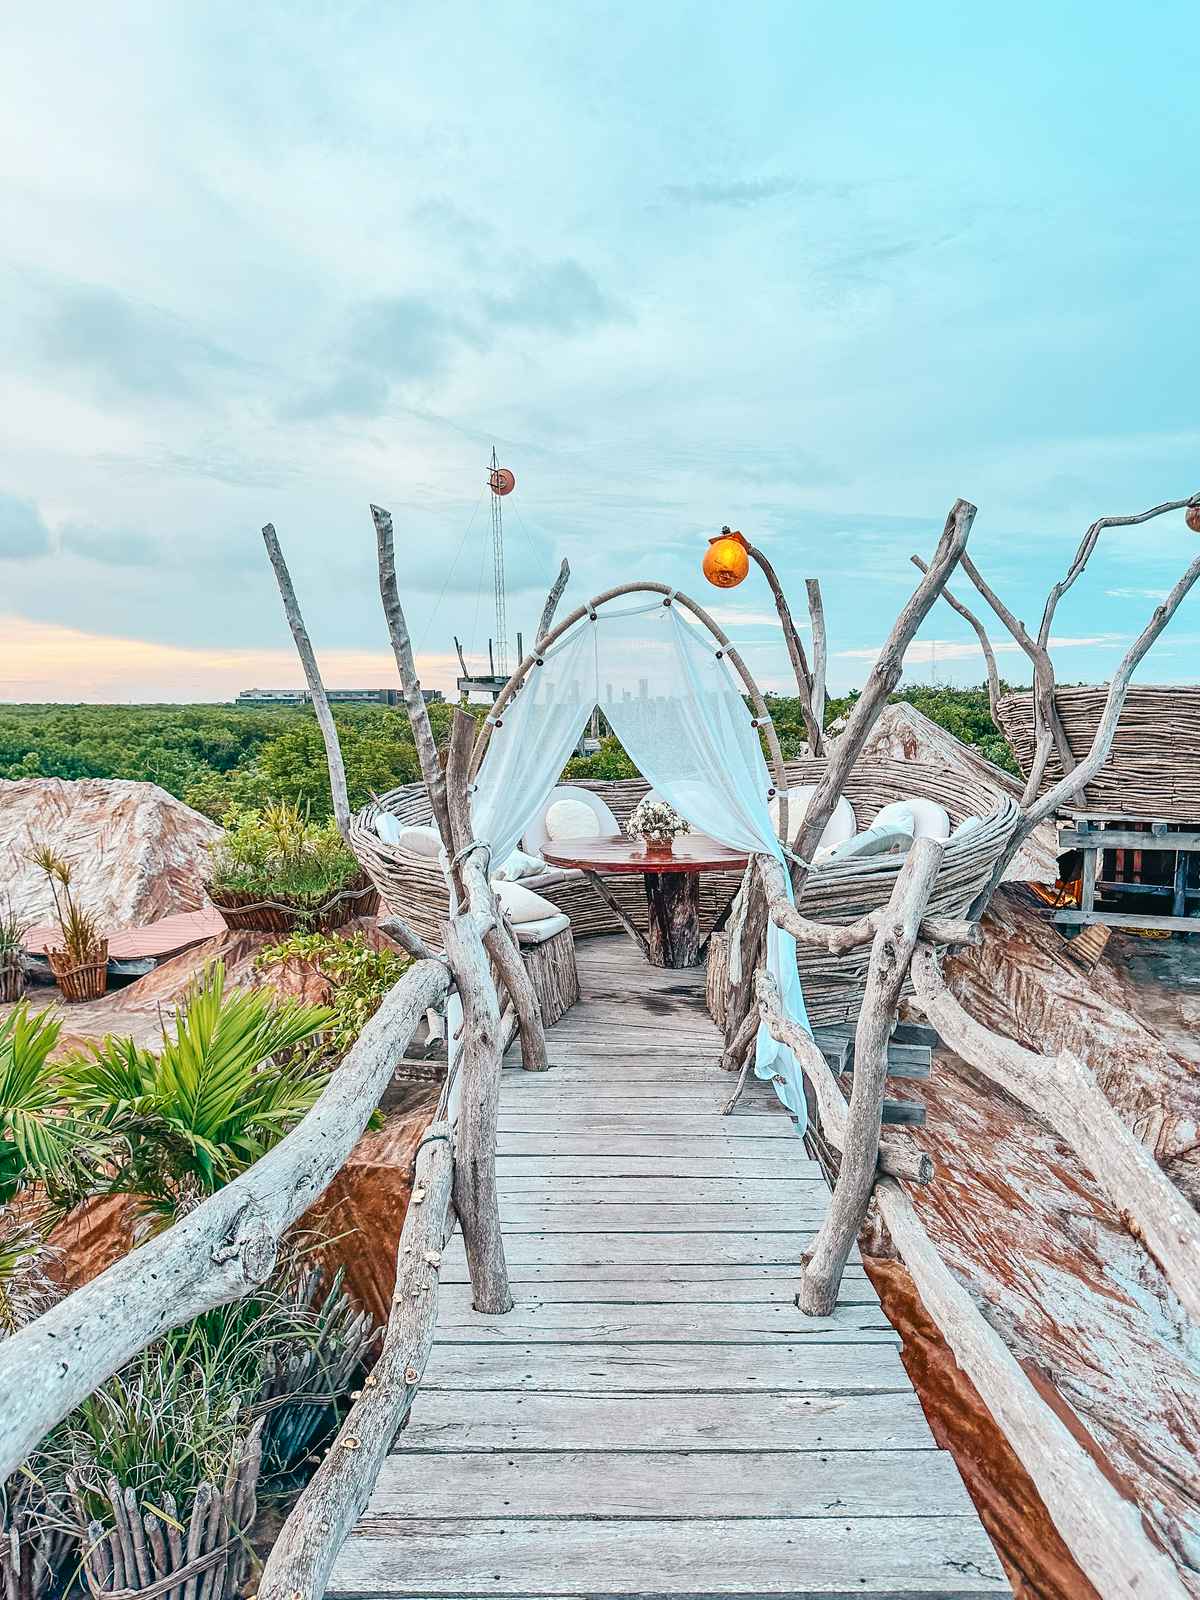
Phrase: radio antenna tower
[501,482]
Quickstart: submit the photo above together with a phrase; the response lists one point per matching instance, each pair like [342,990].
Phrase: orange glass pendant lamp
[727,560]
[1192,517]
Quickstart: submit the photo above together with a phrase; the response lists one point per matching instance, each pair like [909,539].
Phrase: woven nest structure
[1153,769]
[412,886]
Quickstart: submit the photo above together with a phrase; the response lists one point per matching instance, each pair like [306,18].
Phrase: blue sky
[812,271]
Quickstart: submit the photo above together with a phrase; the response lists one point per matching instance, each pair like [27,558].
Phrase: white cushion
[572,819]
[536,835]
[388,827]
[898,816]
[420,839]
[967,825]
[932,820]
[840,826]
[520,865]
[530,933]
[521,904]
[876,840]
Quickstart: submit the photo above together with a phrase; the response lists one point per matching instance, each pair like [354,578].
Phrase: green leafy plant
[82,939]
[277,853]
[12,932]
[358,974]
[216,1097]
[26,1289]
[38,1143]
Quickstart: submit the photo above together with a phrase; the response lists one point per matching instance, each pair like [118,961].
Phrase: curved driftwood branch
[839,939]
[1064,1093]
[303,1555]
[1102,1530]
[891,953]
[985,644]
[896,1159]
[418,714]
[312,676]
[1088,544]
[1037,810]
[820,644]
[552,599]
[795,649]
[407,938]
[219,1252]
[883,678]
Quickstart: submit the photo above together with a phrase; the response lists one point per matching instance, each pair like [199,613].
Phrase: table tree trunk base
[673,937]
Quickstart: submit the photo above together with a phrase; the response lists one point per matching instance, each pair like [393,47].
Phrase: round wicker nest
[412,886]
[358,898]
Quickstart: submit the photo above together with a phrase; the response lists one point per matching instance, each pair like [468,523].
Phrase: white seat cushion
[899,815]
[522,905]
[840,826]
[420,839]
[932,820]
[532,933]
[877,840]
[571,819]
[519,865]
[388,827]
[967,825]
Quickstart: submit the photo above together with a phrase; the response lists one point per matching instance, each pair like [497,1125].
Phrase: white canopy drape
[678,708]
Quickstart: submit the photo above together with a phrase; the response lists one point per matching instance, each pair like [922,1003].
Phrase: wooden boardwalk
[655,1417]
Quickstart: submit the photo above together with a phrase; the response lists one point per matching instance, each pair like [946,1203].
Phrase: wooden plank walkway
[654,1417]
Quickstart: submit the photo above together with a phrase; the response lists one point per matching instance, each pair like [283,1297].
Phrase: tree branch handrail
[221,1251]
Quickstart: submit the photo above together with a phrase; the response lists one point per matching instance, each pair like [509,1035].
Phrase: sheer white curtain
[678,708]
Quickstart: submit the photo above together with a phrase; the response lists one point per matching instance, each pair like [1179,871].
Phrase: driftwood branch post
[312,676]
[302,1558]
[985,644]
[820,660]
[795,650]
[552,599]
[891,952]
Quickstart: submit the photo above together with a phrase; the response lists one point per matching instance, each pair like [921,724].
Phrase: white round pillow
[932,820]
[967,825]
[571,819]
[840,827]
[388,827]
[899,816]
[521,904]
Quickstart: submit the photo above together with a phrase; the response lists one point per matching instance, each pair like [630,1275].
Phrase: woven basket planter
[413,887]
[358,898]
[12,976]
[80,983]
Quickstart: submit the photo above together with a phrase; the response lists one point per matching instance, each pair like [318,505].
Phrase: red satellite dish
[501,480]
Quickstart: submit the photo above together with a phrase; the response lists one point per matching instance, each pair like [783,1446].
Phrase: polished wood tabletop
[614,853]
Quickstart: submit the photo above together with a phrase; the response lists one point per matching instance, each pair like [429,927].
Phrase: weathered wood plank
[722,1143]
[791,1368]
[707,1163]
[769,1322]
[830,1556]
[659,1216]
[794,1484]
[651,1273]
[646,1292]
[697,1423]
[782,1248]
[615,1191]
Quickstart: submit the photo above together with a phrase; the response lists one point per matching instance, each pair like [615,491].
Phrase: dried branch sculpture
[552,599]
[312,676]
[806,691]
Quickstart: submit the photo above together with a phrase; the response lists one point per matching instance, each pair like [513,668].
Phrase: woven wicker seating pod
[1153,768]
[412,885]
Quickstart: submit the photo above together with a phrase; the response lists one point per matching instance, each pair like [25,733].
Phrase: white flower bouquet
[656,822]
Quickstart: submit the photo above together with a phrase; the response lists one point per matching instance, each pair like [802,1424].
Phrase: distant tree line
[220,758]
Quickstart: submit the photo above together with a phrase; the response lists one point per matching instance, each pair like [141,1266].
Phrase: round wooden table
[672,879]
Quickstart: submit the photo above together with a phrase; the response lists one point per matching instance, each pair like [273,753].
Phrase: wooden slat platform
[655,1417]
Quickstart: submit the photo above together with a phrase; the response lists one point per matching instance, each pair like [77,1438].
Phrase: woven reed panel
[1153,769]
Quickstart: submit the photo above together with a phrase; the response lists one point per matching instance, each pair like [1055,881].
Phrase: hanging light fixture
[727,560]
[1192,517]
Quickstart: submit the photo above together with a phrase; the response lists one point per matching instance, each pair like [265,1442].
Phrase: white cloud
[1137,594]
[935,650]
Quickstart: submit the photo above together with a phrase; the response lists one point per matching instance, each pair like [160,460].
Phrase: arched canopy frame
[670,597]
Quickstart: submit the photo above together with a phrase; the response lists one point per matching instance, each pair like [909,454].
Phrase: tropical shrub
[82,941]
[358,973]
[38,1143]
[279,854]
[186,1120]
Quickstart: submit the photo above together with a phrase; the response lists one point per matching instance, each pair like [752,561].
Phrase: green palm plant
[38,1143]
[212,1101]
